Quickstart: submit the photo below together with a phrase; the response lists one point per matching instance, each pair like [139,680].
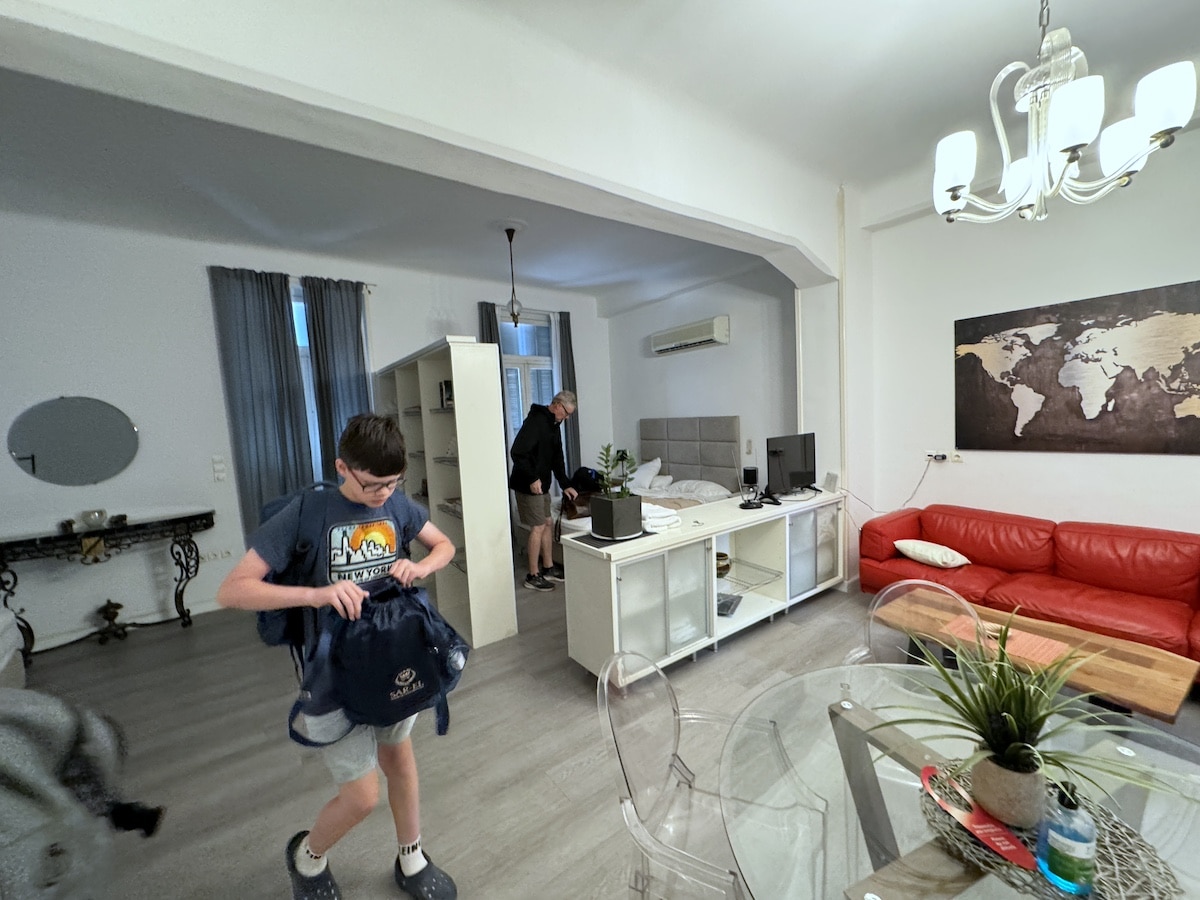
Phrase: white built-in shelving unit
[457,469]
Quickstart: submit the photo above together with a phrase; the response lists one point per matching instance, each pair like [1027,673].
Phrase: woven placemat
[1127,868]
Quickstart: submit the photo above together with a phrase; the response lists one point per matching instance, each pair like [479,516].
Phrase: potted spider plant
[616,512]
[1009,713]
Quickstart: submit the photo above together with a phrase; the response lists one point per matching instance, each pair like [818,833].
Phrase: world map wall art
[1116,374]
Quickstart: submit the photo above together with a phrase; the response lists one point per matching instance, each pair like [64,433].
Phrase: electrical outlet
[956,457]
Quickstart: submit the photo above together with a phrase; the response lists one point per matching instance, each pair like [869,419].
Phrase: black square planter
[616,518]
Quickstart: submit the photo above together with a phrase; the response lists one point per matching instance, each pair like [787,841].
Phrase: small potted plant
[616,512]
[1009,712]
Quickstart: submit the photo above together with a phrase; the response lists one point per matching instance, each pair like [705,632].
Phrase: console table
[97,545]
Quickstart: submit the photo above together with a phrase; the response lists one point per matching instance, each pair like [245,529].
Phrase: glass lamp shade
[1018,180]
[1166,98]
[515,309]
[1121,142]
[954,161]
[1076,110]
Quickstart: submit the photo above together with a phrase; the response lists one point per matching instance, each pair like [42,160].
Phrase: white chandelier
[1065,107]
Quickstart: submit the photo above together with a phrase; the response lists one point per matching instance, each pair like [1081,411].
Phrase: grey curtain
[335,341]
[566,364]
[489,333]
[264,392]
[489,326]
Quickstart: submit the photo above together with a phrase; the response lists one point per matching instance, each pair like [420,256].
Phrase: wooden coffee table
[1132,675]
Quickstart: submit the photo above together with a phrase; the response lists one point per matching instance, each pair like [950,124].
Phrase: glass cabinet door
[688,583]
[664,602]
[802,553]
[642,607]
[828,560]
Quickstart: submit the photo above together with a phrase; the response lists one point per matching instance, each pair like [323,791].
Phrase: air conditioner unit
[694,334]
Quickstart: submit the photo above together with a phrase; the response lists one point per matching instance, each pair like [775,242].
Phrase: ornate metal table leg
[187,560]
[8,587]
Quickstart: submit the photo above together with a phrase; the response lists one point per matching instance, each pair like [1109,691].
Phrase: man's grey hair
[566,398]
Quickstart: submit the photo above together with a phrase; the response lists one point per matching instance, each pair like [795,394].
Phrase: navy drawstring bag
[398,658]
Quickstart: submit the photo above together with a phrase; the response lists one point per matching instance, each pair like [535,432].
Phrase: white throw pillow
[701,488]
[643,474]
[658,482]
[932,554]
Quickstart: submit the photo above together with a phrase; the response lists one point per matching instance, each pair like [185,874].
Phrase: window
[530,366]
[300,320]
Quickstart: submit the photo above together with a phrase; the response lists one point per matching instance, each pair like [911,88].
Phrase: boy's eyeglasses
[376,487]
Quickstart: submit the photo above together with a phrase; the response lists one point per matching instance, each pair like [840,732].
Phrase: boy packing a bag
[368,525]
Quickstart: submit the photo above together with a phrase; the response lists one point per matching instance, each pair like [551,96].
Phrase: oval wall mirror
[72,440]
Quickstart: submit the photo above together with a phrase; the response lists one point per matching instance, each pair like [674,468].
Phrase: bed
[697,462]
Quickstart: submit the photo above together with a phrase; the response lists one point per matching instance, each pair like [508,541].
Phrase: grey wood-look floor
[518,800]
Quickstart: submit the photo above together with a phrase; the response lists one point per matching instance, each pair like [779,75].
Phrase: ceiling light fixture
[514,306]
[1064,106]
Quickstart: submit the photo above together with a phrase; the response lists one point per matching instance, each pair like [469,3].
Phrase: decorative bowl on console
[93,518]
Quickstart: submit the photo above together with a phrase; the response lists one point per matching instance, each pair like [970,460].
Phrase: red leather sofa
[1141,584]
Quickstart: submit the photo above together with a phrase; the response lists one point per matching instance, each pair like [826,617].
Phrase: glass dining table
[846,820]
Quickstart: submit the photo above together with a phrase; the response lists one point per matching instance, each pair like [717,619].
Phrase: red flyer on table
[991,831]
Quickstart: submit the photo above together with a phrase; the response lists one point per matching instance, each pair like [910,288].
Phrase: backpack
[58,805]
[586,480]
[398,658]
[296,627]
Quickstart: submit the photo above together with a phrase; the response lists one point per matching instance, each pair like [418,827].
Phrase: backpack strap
[306,553]
[316,686]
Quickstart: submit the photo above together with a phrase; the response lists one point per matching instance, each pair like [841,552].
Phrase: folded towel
[654,511]
[657,525]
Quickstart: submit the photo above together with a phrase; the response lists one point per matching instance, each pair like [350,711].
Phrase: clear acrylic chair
[885,644]
[673,810]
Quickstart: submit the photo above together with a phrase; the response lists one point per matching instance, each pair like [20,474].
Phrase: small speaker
[750,488]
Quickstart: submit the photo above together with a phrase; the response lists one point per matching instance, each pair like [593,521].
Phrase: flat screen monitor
[791,463]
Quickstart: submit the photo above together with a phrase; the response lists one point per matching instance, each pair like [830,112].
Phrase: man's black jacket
[537,452]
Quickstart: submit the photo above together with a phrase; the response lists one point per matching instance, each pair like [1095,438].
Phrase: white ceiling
[859,90]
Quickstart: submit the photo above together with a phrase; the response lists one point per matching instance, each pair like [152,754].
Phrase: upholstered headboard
[705,447]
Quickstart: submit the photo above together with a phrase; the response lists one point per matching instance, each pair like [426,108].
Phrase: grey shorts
[356,754]
[533,509]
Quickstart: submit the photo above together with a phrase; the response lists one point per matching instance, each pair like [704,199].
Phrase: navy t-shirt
[355,543]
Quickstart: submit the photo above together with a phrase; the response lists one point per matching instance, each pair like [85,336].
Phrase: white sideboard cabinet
[447,400]
[658,594]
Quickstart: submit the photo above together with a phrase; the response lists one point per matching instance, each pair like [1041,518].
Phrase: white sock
[308,863]
[412,860]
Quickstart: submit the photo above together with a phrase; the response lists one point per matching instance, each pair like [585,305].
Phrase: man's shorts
[357,753]
[533,509]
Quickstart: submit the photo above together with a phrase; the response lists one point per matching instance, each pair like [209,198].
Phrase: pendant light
[514,306]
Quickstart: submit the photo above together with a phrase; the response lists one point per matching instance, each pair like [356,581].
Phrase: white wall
[127,318]
[464,77]
[753,376]
[820,362]
[927,273]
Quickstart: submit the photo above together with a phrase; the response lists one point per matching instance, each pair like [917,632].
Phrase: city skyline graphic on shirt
[362,551]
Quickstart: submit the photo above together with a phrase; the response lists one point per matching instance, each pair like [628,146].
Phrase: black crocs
[317,887]
[431,883]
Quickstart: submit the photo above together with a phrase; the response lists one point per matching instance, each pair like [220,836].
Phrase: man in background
[536,453]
